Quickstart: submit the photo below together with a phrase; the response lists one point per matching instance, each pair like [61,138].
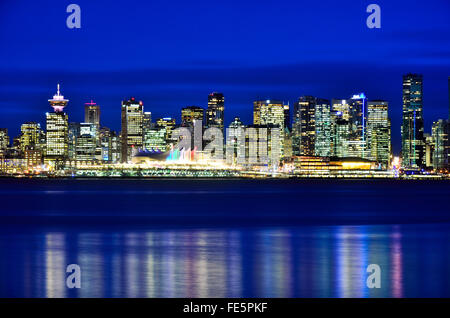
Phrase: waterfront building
[147,121]
[440,132]
[57,135]
[132,127]
[413,150]
[215,111]
[378,132]
[287,117]
[33,157]
[31,135]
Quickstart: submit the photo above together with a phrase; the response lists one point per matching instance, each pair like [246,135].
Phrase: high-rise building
[147,121]
[57,135]
[413,142]
[31,136]
[169,124]
[92,113]
[215,111]
[132,127]
[440,133]
[155,139]
[191,113]
[86,142]
[429,151]
[378,132]
[235,141]
[4,139]
[358,121]
[322,146]
[304,126]
[341,129]
[287,117]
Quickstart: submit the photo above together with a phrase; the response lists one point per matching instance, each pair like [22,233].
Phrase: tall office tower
[147,121]
[215,111]
[341,108]
[168,123]
[429,149]
[358,121]
[234,141]
[304,126]
[105,144]
[30,136]
[440,132]
[86,142]
[341,130]
[4,139]
[191,113]
[132,127]
[413,151]
[322,147]
[287,117]
[272,114]
[92,113]
[57,128]
[378,132]
[155,139]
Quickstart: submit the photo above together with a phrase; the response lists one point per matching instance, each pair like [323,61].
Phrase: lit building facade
[57,135]
[379,132]
[216,111]
[31,136]
[92,113]
[413,152]
[132,127]
[358,122]
[191,113]
[4,139]
[304,126]
[322,145]
[440,133]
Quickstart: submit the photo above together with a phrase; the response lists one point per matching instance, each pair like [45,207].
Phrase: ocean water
[224,238]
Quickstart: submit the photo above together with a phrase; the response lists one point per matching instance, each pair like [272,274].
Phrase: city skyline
[186,51]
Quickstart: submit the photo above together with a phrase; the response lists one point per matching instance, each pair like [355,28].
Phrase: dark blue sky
[171,54]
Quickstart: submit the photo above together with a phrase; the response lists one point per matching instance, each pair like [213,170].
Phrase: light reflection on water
[313,261]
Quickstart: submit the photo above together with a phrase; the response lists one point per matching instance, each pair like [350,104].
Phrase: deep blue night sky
[171,54]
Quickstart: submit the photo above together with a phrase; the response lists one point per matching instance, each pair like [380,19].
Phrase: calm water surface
[224,238]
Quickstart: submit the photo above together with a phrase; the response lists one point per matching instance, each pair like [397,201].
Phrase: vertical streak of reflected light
[55,265]
[397,266]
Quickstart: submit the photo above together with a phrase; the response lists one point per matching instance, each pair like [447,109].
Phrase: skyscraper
[31,136]
[92,113]
[86,142]
[132,127]
[304,126]
[215,111]
[322,147]
[4,139]
[358,121]
[440,133]
[191,113]
[57,129]
[413,143]
[378,132]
